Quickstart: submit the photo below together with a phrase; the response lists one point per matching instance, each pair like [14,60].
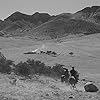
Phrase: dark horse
[72,81]
[65,75]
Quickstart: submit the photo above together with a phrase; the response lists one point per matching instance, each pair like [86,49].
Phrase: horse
[65,75]
[72,81]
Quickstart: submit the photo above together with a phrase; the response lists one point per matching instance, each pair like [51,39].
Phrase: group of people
[68,74]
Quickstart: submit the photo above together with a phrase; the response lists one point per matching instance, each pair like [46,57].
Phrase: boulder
[90,87]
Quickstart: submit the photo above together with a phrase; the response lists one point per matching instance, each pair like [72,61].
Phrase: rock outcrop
[90,87]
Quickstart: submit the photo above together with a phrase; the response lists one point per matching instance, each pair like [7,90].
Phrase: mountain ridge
[45,26]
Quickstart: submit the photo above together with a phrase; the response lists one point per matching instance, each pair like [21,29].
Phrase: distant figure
[49,52]
[74,73]
[42,52]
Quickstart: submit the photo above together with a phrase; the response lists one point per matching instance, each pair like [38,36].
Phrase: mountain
[35,18]
[45,26]
[18,22]
[91,14]
[63,26]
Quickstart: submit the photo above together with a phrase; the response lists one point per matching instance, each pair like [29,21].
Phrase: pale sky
[7,7]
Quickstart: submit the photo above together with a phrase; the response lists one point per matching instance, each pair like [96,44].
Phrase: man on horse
[74,73]
[65,75]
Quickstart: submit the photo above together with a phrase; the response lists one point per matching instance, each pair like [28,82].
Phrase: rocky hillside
[17,23]
[63,26]
[91,14]
[45,26]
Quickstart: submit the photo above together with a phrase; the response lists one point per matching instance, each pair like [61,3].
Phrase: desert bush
[5,67]
[22,69]
[31,67]
[49,52]
[57,70]
[47,71]
[54,53]
[37,66]
[9,62]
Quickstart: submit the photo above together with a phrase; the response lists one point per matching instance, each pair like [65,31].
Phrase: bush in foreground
[31,67]
[57,70]
[22,69]
[5,67]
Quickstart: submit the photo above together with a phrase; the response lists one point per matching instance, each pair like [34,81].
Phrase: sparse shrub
[5,65]
[48,52]
[22,69]
[54,53]
[5,68]
[42,52]
[57,70]
[47,71]
[31,67]
[71,53]
[39,67]
[9,62]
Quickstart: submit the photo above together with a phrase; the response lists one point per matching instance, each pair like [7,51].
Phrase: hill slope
[62,27]
[45,26]
[18,22]
[91,14]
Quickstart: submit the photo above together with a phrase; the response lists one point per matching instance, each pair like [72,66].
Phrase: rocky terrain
[41,88]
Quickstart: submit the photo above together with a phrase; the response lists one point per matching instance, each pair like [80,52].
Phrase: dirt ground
[42,88]
[85,58]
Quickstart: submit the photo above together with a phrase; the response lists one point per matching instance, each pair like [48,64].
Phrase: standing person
[74,73]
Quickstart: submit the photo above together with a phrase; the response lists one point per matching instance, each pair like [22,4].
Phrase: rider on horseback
[65,75]
[74,73]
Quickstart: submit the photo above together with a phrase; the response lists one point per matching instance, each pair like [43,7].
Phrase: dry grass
[85,59]
[41,88]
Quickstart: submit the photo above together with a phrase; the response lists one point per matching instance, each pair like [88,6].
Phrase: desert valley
[67,33]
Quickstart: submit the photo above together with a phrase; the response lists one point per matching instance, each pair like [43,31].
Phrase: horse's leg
[71,86]
[75,87]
